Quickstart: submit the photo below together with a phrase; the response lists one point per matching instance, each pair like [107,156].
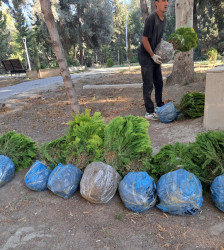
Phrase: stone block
[214,99]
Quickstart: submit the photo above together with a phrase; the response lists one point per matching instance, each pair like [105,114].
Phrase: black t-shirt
[154,28]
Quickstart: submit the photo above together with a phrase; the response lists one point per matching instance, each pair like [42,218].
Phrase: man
[150,62]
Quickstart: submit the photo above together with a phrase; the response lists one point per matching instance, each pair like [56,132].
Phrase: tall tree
[144,9]
[59,52]
[135,26]
[183,67]
[4,35]
[118,36]
[153,6]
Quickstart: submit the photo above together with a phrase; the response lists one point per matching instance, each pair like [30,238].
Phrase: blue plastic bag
[167,113]
[138,191]
[7,170]
[217,191]
[37,177]
[180,193]
[64,180]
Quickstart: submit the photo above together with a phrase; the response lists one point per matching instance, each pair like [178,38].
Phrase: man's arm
[147,46]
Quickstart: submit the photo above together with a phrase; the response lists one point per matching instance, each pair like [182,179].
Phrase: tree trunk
[36,56]
[81,55]
[195,17]
[183,67]
[60,54]
[144,9]
[153,6]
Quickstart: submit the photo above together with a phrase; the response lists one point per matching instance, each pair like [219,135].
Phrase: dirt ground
[32,220]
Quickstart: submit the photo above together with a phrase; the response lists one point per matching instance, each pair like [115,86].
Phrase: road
[39,85]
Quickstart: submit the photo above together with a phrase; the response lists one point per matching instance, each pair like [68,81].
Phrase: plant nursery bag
[180,193]
[167,113]
[37,177]
[138,191]
[7,170]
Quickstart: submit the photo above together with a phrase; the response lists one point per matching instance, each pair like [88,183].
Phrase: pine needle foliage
[207,152]
[127,146]
[19,148]
[85,139]
[183,39]
[192,104]
[54,152]
[172,157]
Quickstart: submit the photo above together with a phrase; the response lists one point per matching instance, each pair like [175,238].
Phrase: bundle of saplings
[170,158]
[127,146]
[183,39]
[85,139]
[82,144]
[207,152]
[19,148]
[54,152]
[192,104]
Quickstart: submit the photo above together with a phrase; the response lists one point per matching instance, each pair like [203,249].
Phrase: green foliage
[183,39]
[211,55]
[192,104]
[204,158]
[54,152]
[134,59]
[85,139]
[127,144]
[170,158]
[207,152]
[170,26]
[19,148]
[4,37]
[110,62]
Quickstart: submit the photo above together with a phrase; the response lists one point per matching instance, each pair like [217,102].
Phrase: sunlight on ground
[108,100]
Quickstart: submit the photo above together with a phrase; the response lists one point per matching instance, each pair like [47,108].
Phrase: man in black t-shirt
[150,62]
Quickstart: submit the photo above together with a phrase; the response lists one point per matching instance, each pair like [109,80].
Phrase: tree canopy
[94,30]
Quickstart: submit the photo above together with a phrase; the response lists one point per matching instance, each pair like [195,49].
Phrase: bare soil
[42,220]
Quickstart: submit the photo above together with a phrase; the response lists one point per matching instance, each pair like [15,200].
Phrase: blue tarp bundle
[138,191]
[64,180]
[37,177]
[167,113]
[7,170]
[217,191]
[180,193]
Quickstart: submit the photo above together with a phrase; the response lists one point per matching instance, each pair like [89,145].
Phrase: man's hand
[157,59]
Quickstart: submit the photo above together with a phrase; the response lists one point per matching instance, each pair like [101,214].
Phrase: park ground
[31,220]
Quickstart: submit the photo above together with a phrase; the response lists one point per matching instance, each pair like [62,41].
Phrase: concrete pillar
[214,99]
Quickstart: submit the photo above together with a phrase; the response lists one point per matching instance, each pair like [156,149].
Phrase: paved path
[24,88]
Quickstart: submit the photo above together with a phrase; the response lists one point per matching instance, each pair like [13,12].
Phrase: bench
[14,66]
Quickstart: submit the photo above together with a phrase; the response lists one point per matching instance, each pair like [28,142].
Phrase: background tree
[5,35]
[183,67]
[144,9]
[118,36]
[59,52]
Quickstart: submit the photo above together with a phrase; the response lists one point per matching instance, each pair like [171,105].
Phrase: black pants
[151,74]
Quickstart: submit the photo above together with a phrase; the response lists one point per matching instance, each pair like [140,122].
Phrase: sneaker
[152,116]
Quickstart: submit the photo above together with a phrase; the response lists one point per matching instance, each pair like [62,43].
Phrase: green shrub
[85,139]
[211,55]
[54,152]
[170,158]
[207,152]
[183,39]
[19,148]
[127,146]
[192,104]
[134,59]
[110,62]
